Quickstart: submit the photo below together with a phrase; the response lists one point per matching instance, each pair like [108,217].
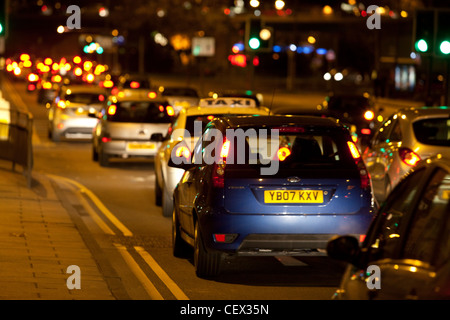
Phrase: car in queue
[184,129]
[130,127]
[268,186]
[133,86]
[406,137]
[68,115]
[180,97]
[355,110]
[406,253]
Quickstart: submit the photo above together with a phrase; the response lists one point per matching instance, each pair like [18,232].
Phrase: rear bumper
[280,234]
[120,148]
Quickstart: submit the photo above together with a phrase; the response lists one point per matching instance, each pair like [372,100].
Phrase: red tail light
[408,156]
[219,166]
[364,174]
[106,139]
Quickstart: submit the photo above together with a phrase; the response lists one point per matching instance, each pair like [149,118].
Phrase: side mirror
[158,137]
[345,248]
[181,156]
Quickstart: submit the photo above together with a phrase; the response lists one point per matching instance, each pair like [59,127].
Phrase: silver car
[68,115]
[127,127]
[405,138]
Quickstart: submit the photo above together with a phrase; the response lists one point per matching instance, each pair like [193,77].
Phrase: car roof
[229,105]
[140,98]
[280,120]
[415,112]
[83,88]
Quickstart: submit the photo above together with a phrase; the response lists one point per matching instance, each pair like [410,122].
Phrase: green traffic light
[445,47]
[1,28]
[254,43]
[422,45]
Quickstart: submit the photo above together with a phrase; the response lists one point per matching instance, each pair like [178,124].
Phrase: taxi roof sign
[228,102]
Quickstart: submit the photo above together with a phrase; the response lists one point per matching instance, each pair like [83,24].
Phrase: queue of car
[240,181]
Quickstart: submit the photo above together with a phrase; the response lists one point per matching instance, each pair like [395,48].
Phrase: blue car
[269,185]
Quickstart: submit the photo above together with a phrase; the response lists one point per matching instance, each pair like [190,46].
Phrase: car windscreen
[294,148]
[433,131]
[180,92]
[85,97]
[139,112]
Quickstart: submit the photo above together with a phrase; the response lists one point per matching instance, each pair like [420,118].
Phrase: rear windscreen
[196,124]
[185,92]
[85,98]
[139,112]
[435,131]
[292,149]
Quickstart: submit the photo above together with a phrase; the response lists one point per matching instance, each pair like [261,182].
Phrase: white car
[405,138]
[166,178]
[68,115]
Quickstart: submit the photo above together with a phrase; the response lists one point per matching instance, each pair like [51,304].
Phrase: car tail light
[408,156]
[218,176]
[106,139]
[152,95]
[31,87]
[224,237]
[364,174]
[183,151]
[283,153]
[61,104]
[366,131]
[134,84]
[170,111]
[112,110]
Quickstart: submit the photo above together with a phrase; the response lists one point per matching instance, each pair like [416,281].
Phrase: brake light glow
[283,153]
[112,109]
[210,118]
[353,150]
[170,111]
[61,104]
[408,156]
[183,151]
[134,85]
[32,77]
[152,95]
[362,237]
[366,131]
[225,149]
[106,139]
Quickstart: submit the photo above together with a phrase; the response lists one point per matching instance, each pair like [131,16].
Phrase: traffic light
[2,19]
[258,36]
[424,31]
[442,39]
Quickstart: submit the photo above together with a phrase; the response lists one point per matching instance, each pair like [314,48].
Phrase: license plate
[293,196]
[140,146]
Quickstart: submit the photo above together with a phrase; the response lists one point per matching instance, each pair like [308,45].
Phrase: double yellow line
[131,262]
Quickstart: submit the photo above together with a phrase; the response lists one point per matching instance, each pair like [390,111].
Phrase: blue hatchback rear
[278,185]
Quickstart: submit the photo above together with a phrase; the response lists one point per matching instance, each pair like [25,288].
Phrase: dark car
[269,185]
[354,110]
[406,253]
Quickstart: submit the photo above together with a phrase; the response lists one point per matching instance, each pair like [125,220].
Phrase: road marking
[108,214]
[148,285]
[170,284]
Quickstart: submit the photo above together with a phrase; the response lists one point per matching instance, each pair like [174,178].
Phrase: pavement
[39,240]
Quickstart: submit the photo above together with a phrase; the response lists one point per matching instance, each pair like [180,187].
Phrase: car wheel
[180,248]
[55,137]
[158,192]
[167,203]
[103,159]
[207,264]
[94,154]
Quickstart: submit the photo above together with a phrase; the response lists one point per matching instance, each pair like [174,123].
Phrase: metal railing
[16,129]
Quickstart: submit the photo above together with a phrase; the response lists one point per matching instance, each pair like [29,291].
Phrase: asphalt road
[134,239]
